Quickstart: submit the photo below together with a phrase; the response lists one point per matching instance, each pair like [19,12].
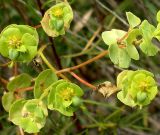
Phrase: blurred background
[82,42]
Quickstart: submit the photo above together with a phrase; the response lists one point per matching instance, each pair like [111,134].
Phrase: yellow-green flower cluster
[64,97]
[57,19]
[137,87]
[19,42]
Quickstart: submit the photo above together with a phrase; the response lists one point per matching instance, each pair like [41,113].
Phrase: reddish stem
[15,69]
[25,89]
[38,26]
[83,81]
[5,82]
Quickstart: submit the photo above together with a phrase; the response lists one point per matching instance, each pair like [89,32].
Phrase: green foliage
[63,97]
[158,16]
[148,33]
[19,42]
[57,19]
[43,81]
[110,37]
[137,87]
[117,55]
[122,45]
[20,81]
[31,114]
[28,114]
[7,100]
[132,19]
[130,44]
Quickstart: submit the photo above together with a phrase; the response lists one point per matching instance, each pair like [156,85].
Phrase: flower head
[19,42]
[137,87]
[57,19]
[33,112]
[64,97]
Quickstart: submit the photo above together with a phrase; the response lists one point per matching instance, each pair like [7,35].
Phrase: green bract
[147,46]
[64,97]
[19,42]
[7,100]
[122,45]
[28,114]
[57,19]
[132,19]
[118,56]
[19,82]
[137,87]
[158,16]
[43,81]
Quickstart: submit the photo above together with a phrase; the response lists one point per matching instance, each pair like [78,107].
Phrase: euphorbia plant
[137,87]
[122,44]
[64,97]
[28,114]
[19,43]
[57,19]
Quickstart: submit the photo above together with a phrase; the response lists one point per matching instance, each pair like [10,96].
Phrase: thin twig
[38,26]
[21,131]
[102,54]
[40,7]
[15,69]
[4,81]
[50,66]
[56,57]
[112,12]
[24,89]
[83,81]
[5,64]
[61,75]
[92,38]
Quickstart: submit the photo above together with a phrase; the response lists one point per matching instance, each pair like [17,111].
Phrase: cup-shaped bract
[64,97]
[57,19]
[137,87]
[19,42]
[28,114]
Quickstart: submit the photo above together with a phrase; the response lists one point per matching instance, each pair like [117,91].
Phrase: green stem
[99,104]
[50,66]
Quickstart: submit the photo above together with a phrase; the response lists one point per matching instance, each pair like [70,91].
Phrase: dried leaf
[107,89]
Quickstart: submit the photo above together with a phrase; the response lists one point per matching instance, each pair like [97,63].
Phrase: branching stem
[102,54]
